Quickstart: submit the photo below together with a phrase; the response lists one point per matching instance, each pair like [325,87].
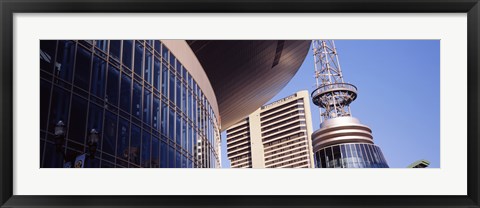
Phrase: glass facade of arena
[354,155]
[148,109]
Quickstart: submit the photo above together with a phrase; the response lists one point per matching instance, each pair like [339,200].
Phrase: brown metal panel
[241,72]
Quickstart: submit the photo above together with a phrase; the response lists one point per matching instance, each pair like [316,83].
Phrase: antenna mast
[332,95]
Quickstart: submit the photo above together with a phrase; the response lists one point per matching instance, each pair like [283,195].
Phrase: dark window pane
[157,46]
[127,53]
[337,156]
[138,58]
[172,61]
[82,68]
[112,85]
[172,88]
[178,160]
[98,77]
[65,58]
[95,117]
[137,100]
[147,103]
[146,145]
[164,121]
[148,67]
[164,52]
[156,74]
[189,105]
[164,80]
[155,153]
[45,88]
[178,101]
[190,140]
[59,107]
[178,130]
[184,134]
[156,114]
[122,142]
[47,54]
[125,93]
[184,99]
[328,157]
[78,120]
[109,135]
[101,44]
[163,155]
[115,49]
[171,157]
[171,125]
[135,145]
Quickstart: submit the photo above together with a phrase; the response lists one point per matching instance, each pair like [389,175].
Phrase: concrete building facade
[276,135]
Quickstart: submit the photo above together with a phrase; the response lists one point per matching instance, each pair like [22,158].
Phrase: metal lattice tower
[332,95]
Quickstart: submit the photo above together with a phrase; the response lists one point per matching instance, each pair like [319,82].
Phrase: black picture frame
[9,7]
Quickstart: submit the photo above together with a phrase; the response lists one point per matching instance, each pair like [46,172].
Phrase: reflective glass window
[59,107]
[123,139]
[125,93]
[172,60]
[95,117]
[184,161]
[157,46]
[155,153]
[171,124]
[138,58]
[172,88]
[337,155]
[178,129]
[184,134]
[171,157]
[112,85]
[164,52]
[190,141]
[147,75]
[189,105]
[78,120]
[109,135]
[156,74]
[178,100]
[65,59]
[99,70]
[135,145]
[178,160]
[115,49]
[47,54]
[82,68]
[146,145]
[323,159]
[328,157]
[164,121]
[102,44]
[164,80]
[137,100]
[147,106]
[45,88]
[156,113]
[163,154]
[127,53]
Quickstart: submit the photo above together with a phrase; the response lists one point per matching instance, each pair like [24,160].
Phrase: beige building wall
[277,135]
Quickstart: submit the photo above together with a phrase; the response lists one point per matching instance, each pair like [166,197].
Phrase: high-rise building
[153,103]
[276,135]
[342,141]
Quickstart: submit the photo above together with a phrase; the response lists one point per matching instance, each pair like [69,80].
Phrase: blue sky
[398,85]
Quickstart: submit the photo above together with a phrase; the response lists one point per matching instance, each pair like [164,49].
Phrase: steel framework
[332,95]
